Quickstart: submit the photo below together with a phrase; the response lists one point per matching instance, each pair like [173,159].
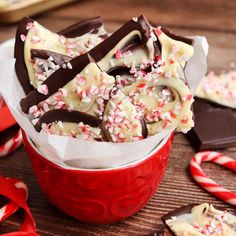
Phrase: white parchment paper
[71,152]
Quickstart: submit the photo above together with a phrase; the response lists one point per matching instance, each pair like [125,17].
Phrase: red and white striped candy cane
[207,183]
[11,144]
[17,192]
[12,207]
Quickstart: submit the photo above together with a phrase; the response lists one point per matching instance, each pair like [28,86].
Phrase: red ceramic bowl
[104,195]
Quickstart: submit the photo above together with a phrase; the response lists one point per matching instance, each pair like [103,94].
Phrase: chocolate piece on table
[66,116]
[203,219]
[215,126]
[76,30]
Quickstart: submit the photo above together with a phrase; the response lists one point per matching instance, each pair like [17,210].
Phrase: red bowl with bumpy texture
[104,195]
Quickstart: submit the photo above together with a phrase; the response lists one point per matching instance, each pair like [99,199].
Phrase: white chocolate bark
[203,220]
[166,100]
[39,37]
[153,88]
[85,93]
[219,88]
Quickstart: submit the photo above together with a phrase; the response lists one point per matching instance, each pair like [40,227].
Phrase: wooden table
[203,17]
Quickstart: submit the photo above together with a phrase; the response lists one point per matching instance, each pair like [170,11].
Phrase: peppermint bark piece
[219,88]
[200,220]
[122,122]
[83,87]
[164,99]
[31,35]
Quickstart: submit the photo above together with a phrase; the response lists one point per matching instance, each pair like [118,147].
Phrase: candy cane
[11,144]
[208,184]
[17,192]
[12,207]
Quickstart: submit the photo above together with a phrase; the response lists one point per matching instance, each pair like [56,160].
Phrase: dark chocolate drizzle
[66,116]
[58,58]
[78,29]
[55,81]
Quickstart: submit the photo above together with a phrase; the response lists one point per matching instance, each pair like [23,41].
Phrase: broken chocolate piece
[201,219]
[145,62]
[21,70]
[23,65]
[121,121]
[215,126]
[66,116]
[57,80]
[164,100]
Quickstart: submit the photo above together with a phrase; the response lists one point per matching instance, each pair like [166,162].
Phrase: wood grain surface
[213,19]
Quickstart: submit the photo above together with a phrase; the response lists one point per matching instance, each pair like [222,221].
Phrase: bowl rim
[134,164]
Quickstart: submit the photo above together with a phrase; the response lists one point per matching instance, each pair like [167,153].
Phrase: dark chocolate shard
[78,29]
[83,27]
[215,126]
[141,25]
[58,58]
[66,116]
[55,81]
[20,66]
